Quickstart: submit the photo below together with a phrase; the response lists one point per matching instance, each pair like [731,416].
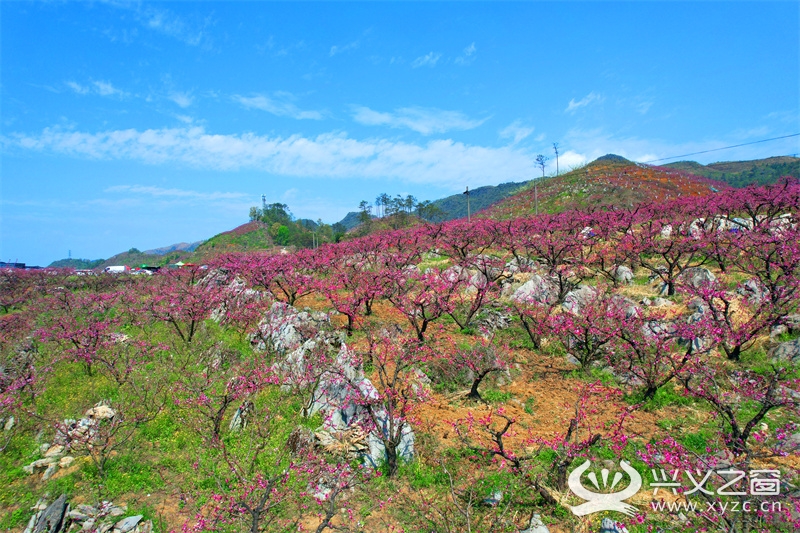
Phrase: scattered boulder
[59,518]
[777,330]
[491,320]
[697,276]
[524,265]
[622,274]
[753,290]
[54,451]
[127,524]
[610,526]
[52,469]
[100,411]
[52,518]
[697,305]
[661,302]
[40,465]
[536,525]
[536,290]
[240,417]
[579,298]
[623,302]
[788,352]
[792,322]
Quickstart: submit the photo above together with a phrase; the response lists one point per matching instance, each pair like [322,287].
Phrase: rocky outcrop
[786,352]
[59,517]
[536,290]
[341,391]
[56,456]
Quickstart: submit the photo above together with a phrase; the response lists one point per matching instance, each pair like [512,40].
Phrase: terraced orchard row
[450,377]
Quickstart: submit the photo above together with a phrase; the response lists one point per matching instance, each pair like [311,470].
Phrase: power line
[723,148]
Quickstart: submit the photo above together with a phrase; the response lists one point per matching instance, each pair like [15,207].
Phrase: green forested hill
[743,173]
[455,206]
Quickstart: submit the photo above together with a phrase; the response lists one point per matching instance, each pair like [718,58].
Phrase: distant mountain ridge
[179,247]
[608,180]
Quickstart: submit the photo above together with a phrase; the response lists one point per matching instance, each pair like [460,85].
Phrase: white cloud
[428,60]
[106,89]
[583,102]
[279,105]
[101,88]
[426,121]
[569,160]
[183,100]
[468,56]
[78,88]
[332,155]
[516,131]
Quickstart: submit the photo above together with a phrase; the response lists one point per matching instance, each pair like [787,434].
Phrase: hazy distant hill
[743,173]
[609,180]
[351,220]
[180,247]
[78,264]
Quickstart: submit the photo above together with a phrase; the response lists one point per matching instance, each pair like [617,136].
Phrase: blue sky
[139,124]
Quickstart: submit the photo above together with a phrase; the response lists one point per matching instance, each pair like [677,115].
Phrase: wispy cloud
[344,48]
[783,116]
[583,102]
[159,192]
[193,33]
[467,56]
[426,121]
[101,88]
[183,99]
[279,104]
[516,131]
[428,60]
[333,155]
[593,143]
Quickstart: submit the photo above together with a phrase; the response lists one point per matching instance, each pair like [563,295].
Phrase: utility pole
[541,161]
[469,218]
[555,147]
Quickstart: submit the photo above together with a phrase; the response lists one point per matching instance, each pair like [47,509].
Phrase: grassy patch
[496,396]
